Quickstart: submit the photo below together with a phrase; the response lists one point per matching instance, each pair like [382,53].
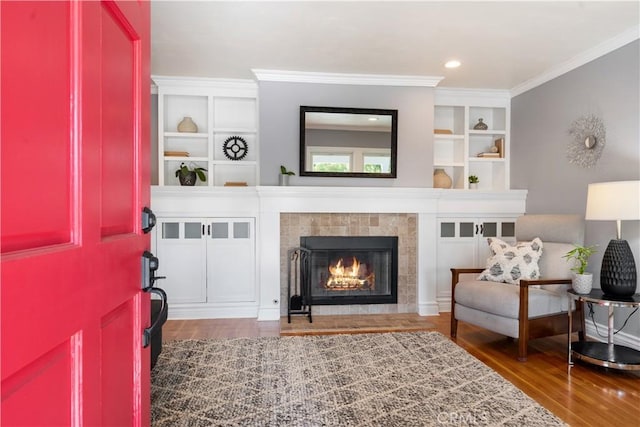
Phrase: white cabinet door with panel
[231,260]
[462,243]
[208,263]
[181,248]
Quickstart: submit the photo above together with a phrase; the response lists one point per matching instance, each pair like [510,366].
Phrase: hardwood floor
[584,395]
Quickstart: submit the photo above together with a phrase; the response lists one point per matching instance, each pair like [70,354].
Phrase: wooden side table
[607,354]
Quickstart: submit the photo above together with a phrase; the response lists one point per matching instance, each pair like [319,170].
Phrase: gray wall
[609,88]
[280,120]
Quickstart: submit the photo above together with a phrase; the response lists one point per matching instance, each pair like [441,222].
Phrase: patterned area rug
[392,379]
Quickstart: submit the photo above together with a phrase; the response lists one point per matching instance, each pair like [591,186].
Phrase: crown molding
[345,79]
[198,82]
[602,49]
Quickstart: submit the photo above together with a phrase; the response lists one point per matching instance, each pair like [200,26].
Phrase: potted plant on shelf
[189,176]
[284,175]
[582,280]
[473,182]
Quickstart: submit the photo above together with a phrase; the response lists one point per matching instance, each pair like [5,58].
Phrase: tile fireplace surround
[404,225]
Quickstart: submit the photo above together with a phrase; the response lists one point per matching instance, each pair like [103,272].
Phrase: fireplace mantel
[206,200]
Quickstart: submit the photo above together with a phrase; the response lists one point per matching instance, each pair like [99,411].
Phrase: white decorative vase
[473,186]
[582,283]
[187,125]
[441,179]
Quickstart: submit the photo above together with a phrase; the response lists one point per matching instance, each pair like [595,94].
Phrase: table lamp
[616,201]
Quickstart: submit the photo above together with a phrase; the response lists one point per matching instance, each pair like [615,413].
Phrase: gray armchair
[534,308]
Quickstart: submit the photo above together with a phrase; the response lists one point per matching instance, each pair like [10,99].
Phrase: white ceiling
[502,45]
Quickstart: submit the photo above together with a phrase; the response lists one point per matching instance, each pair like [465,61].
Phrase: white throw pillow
[509,264]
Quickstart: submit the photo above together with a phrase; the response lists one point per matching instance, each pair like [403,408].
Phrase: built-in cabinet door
[181,251]
[207,260]
[462,243]
[457,243]
[231,260]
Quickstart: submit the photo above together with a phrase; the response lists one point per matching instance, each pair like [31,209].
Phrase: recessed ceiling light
[373,119]
[454,63]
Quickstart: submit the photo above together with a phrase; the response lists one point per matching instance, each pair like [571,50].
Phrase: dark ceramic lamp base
[618,273]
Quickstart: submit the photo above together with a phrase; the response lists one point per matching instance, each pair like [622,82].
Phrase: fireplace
[352,270]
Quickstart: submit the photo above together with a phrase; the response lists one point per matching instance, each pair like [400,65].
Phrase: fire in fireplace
[346,277]
[352,270]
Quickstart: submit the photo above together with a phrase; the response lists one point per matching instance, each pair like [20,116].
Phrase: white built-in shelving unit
[458,111]
[221,109]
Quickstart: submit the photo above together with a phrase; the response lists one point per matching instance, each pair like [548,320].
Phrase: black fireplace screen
[353,270]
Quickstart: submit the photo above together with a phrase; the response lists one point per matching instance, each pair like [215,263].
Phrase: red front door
[75,178]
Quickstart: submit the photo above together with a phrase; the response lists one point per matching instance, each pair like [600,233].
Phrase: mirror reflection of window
[377,163]
[349,159]
[327,162]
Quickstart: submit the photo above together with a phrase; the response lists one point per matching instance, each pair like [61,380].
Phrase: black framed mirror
[348,142]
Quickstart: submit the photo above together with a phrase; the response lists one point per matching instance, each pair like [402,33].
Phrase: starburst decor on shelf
[588,140]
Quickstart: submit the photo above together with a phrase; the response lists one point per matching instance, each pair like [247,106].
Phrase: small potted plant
[582,280]
[189,176]
[284,175]
[473,182]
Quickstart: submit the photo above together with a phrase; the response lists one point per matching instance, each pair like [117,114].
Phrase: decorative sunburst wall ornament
[588,140]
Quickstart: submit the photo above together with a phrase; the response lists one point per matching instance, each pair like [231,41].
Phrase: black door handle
[148,220]
[150,264]
[162,317]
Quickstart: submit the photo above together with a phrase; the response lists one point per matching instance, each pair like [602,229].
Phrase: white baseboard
[444,304]
[621,337]
[270,313]
[428,309]
[212,311]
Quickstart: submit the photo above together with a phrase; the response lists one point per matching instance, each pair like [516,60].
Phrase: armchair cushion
[503,299]
[509,264]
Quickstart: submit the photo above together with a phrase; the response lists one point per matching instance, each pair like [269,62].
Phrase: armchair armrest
[543,282]
[456,272]
[455,277]
[524,292]
[523,312]
[467,270]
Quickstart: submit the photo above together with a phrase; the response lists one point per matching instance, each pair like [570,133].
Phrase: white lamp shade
[611,201]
